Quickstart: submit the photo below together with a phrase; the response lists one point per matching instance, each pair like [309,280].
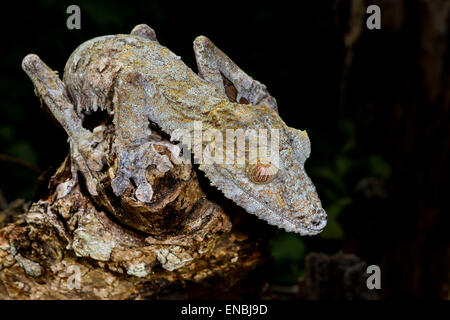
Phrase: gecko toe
[144,192]
[119,184]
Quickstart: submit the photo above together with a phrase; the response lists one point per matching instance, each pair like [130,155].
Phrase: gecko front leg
[53,91]
[214,65]
[135,145]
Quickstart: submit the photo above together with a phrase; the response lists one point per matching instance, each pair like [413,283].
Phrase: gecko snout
[318,221]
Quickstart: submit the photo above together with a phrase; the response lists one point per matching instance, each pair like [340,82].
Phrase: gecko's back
[94,76]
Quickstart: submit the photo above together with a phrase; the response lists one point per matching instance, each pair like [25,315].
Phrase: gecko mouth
[306,224]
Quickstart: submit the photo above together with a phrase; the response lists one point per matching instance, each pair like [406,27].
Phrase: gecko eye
[261,172]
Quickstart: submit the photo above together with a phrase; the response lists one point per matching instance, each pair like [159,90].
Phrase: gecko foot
[132,165]
[88,152]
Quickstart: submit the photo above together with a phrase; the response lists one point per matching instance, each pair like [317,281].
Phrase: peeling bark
[50,240]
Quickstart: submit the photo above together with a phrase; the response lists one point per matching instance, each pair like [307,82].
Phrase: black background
[380,139]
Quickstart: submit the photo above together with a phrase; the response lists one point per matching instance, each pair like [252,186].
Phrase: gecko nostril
[319,222]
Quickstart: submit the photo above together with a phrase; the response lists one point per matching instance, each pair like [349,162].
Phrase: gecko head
[276,189]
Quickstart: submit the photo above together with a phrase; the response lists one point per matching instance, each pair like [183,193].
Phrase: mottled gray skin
[138,80]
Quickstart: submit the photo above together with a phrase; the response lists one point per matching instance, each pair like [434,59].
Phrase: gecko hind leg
[144,31]
[216,67]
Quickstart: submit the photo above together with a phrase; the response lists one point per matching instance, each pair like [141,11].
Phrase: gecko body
[140,81]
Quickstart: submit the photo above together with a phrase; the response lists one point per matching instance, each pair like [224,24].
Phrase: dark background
[375,104]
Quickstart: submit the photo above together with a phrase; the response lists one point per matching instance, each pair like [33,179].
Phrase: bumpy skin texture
[138,80]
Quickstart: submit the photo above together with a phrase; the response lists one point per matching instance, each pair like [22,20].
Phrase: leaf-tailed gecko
[138,80]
